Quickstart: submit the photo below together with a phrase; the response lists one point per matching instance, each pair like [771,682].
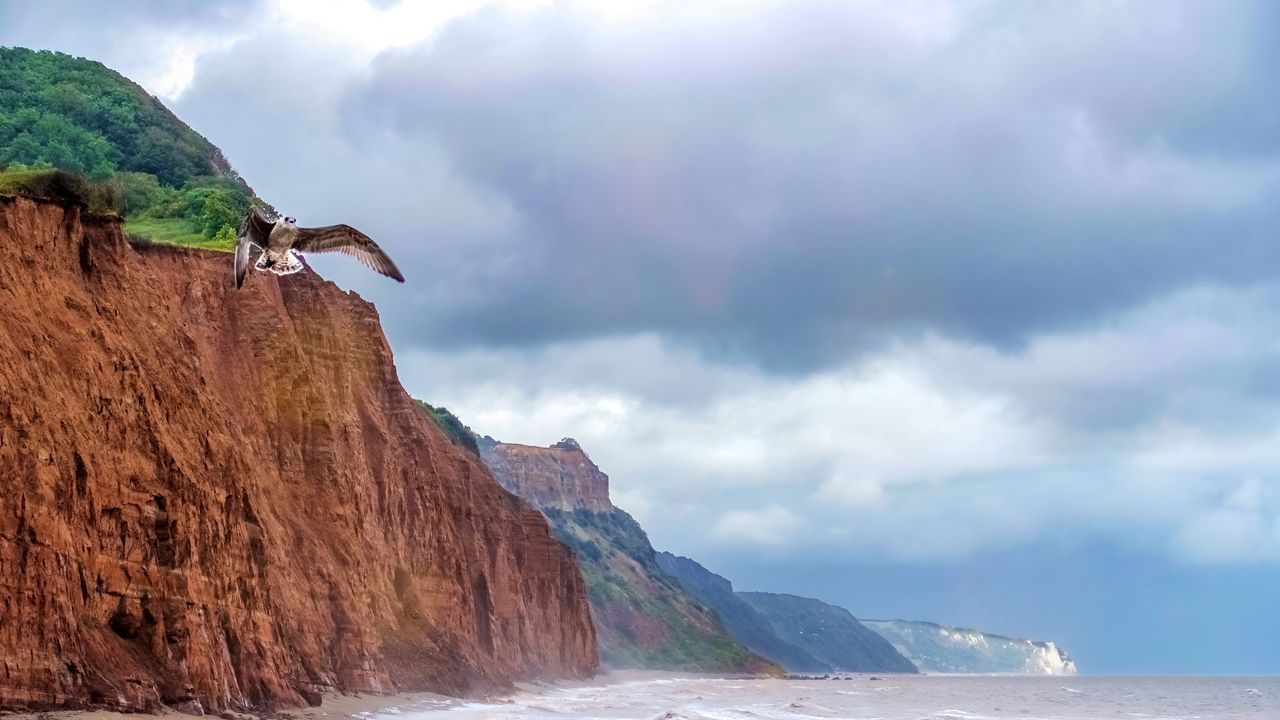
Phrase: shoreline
[365,705]
[333,706]
[372,706]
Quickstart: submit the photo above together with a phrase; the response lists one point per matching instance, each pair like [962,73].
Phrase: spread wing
[253,231]
[348,241]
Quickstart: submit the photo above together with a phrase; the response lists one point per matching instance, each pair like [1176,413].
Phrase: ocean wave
[920,698]
[961,715]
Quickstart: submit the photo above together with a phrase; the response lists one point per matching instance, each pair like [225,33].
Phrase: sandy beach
[360,706]
[334,706]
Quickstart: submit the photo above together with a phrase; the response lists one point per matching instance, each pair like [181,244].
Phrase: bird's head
[290,221]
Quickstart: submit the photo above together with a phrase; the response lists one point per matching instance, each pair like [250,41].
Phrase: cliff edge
[224,499]
[560,477]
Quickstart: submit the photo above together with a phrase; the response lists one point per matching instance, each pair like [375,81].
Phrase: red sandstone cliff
[224,498]
[560,477]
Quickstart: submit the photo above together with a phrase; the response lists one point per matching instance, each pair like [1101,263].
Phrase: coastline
[363,706]
[333,706]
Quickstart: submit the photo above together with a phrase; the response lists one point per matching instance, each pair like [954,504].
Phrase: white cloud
[727,426]
[852,491]
[635,501]
[1243,527]
[930,449]
[772,526]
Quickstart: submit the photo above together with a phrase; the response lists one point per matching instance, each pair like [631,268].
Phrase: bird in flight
[282,240]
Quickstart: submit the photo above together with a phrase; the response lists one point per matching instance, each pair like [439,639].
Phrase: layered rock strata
[561,476]
[224,499]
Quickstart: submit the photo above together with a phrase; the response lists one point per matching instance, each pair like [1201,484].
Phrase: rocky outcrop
[941,649]
[224,499]
[560,477]
[826,638]
[644,618]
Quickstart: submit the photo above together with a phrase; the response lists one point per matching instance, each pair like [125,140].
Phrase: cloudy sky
[957,311]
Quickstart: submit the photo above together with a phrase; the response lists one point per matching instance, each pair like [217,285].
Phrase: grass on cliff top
[175,231]
[55,184]
[202,214]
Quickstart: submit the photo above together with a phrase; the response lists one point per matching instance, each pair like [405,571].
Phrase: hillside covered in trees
[129,154]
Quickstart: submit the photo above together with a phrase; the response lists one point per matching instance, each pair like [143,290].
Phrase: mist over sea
[889,697]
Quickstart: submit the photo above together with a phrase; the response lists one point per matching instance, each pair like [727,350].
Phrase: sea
[885,697]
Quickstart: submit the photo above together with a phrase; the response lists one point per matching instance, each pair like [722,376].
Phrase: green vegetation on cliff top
[458,433]
[124,151]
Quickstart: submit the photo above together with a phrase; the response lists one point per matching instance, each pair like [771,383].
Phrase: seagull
[282,240]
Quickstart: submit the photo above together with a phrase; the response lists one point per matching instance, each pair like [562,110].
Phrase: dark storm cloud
[785,184]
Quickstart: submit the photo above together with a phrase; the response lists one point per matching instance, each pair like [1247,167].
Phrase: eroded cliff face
[561,477]
[218,498]
[644,618]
